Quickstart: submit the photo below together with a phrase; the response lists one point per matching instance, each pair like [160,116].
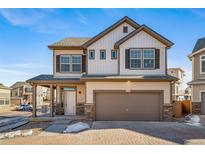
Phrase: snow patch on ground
[15,134]
[193,120]
[77,127]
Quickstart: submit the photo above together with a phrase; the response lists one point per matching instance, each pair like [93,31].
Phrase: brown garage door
[128,106]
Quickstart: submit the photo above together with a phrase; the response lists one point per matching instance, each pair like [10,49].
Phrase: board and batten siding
[65,52]
[143,40]
[127,86]
[196,92]
[108,66]
[196,62]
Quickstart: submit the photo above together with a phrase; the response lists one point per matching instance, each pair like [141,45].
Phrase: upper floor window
[113,54]
[125,29]
[135,58]
[70,63]
[91,54]
[102,54]
[142,58]
[148,58]
[202,64]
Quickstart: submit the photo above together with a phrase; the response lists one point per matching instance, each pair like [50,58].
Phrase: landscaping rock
[77,127]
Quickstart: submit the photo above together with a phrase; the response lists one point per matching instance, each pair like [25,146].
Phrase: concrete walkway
[179,133]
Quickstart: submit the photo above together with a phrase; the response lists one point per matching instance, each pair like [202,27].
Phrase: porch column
[52,100]
[58,94]
[34,87]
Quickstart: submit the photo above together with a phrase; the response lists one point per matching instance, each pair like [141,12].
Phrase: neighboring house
[198,77]
[120,74]
[21,92]
[177,92]
[187,93]
[4,97]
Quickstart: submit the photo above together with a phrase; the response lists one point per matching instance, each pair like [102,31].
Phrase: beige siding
[142,40]
[81,93]
[196,92]
[63,52]
[5,94]
[91,86]
[107,42]
[196,66]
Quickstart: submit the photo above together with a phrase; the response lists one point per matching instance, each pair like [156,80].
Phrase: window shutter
[157,58]
[127,58]
[57,63]
[83,63]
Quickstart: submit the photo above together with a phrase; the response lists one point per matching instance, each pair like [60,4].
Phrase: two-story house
[21,92]
[177,90]
[197,84]
[4,97]
[120,74]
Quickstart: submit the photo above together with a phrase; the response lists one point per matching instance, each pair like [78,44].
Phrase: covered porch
[62,97]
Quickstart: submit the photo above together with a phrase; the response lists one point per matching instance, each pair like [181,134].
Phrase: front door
[69,102]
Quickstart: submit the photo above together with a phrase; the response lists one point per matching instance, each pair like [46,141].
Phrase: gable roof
[19,84]
[69,43]
[3,87]
[200,44]
[148,30]
[109,29]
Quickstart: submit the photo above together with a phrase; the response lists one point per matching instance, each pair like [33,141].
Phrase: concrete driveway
[170,132]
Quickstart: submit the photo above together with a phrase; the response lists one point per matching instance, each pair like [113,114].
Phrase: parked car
[24,107]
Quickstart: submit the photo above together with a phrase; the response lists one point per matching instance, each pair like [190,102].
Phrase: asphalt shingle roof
[3,87]
[48,78]
[137,77]
[200,44]
[71,41]
[19,84]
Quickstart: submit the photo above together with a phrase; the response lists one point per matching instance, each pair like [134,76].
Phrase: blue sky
[25,34]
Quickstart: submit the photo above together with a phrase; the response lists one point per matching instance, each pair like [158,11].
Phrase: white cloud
[39,20]
[24,65]
[82,18]
[199,12]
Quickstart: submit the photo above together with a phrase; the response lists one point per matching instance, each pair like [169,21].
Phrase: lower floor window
[4,101]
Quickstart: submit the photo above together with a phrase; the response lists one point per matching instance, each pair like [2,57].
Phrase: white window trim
[116,54]
[142,59]
[70,64]
[149,58]
[201,64]
[136,68]
[103,50]
[91,50]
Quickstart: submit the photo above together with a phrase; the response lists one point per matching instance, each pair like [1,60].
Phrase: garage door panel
[127,106]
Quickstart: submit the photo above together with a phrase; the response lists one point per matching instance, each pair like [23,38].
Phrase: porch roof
[48,78]
[128,77]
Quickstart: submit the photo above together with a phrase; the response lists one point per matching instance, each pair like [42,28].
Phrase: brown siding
[157,58]
[58,63]
[83,63]
[127,58]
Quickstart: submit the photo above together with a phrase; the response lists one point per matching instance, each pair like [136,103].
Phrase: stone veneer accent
[80,108]
[90,111]
[59,109]
[167,112]
[196,107]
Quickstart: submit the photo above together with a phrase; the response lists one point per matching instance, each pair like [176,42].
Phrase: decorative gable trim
[106,31]
[148,30]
